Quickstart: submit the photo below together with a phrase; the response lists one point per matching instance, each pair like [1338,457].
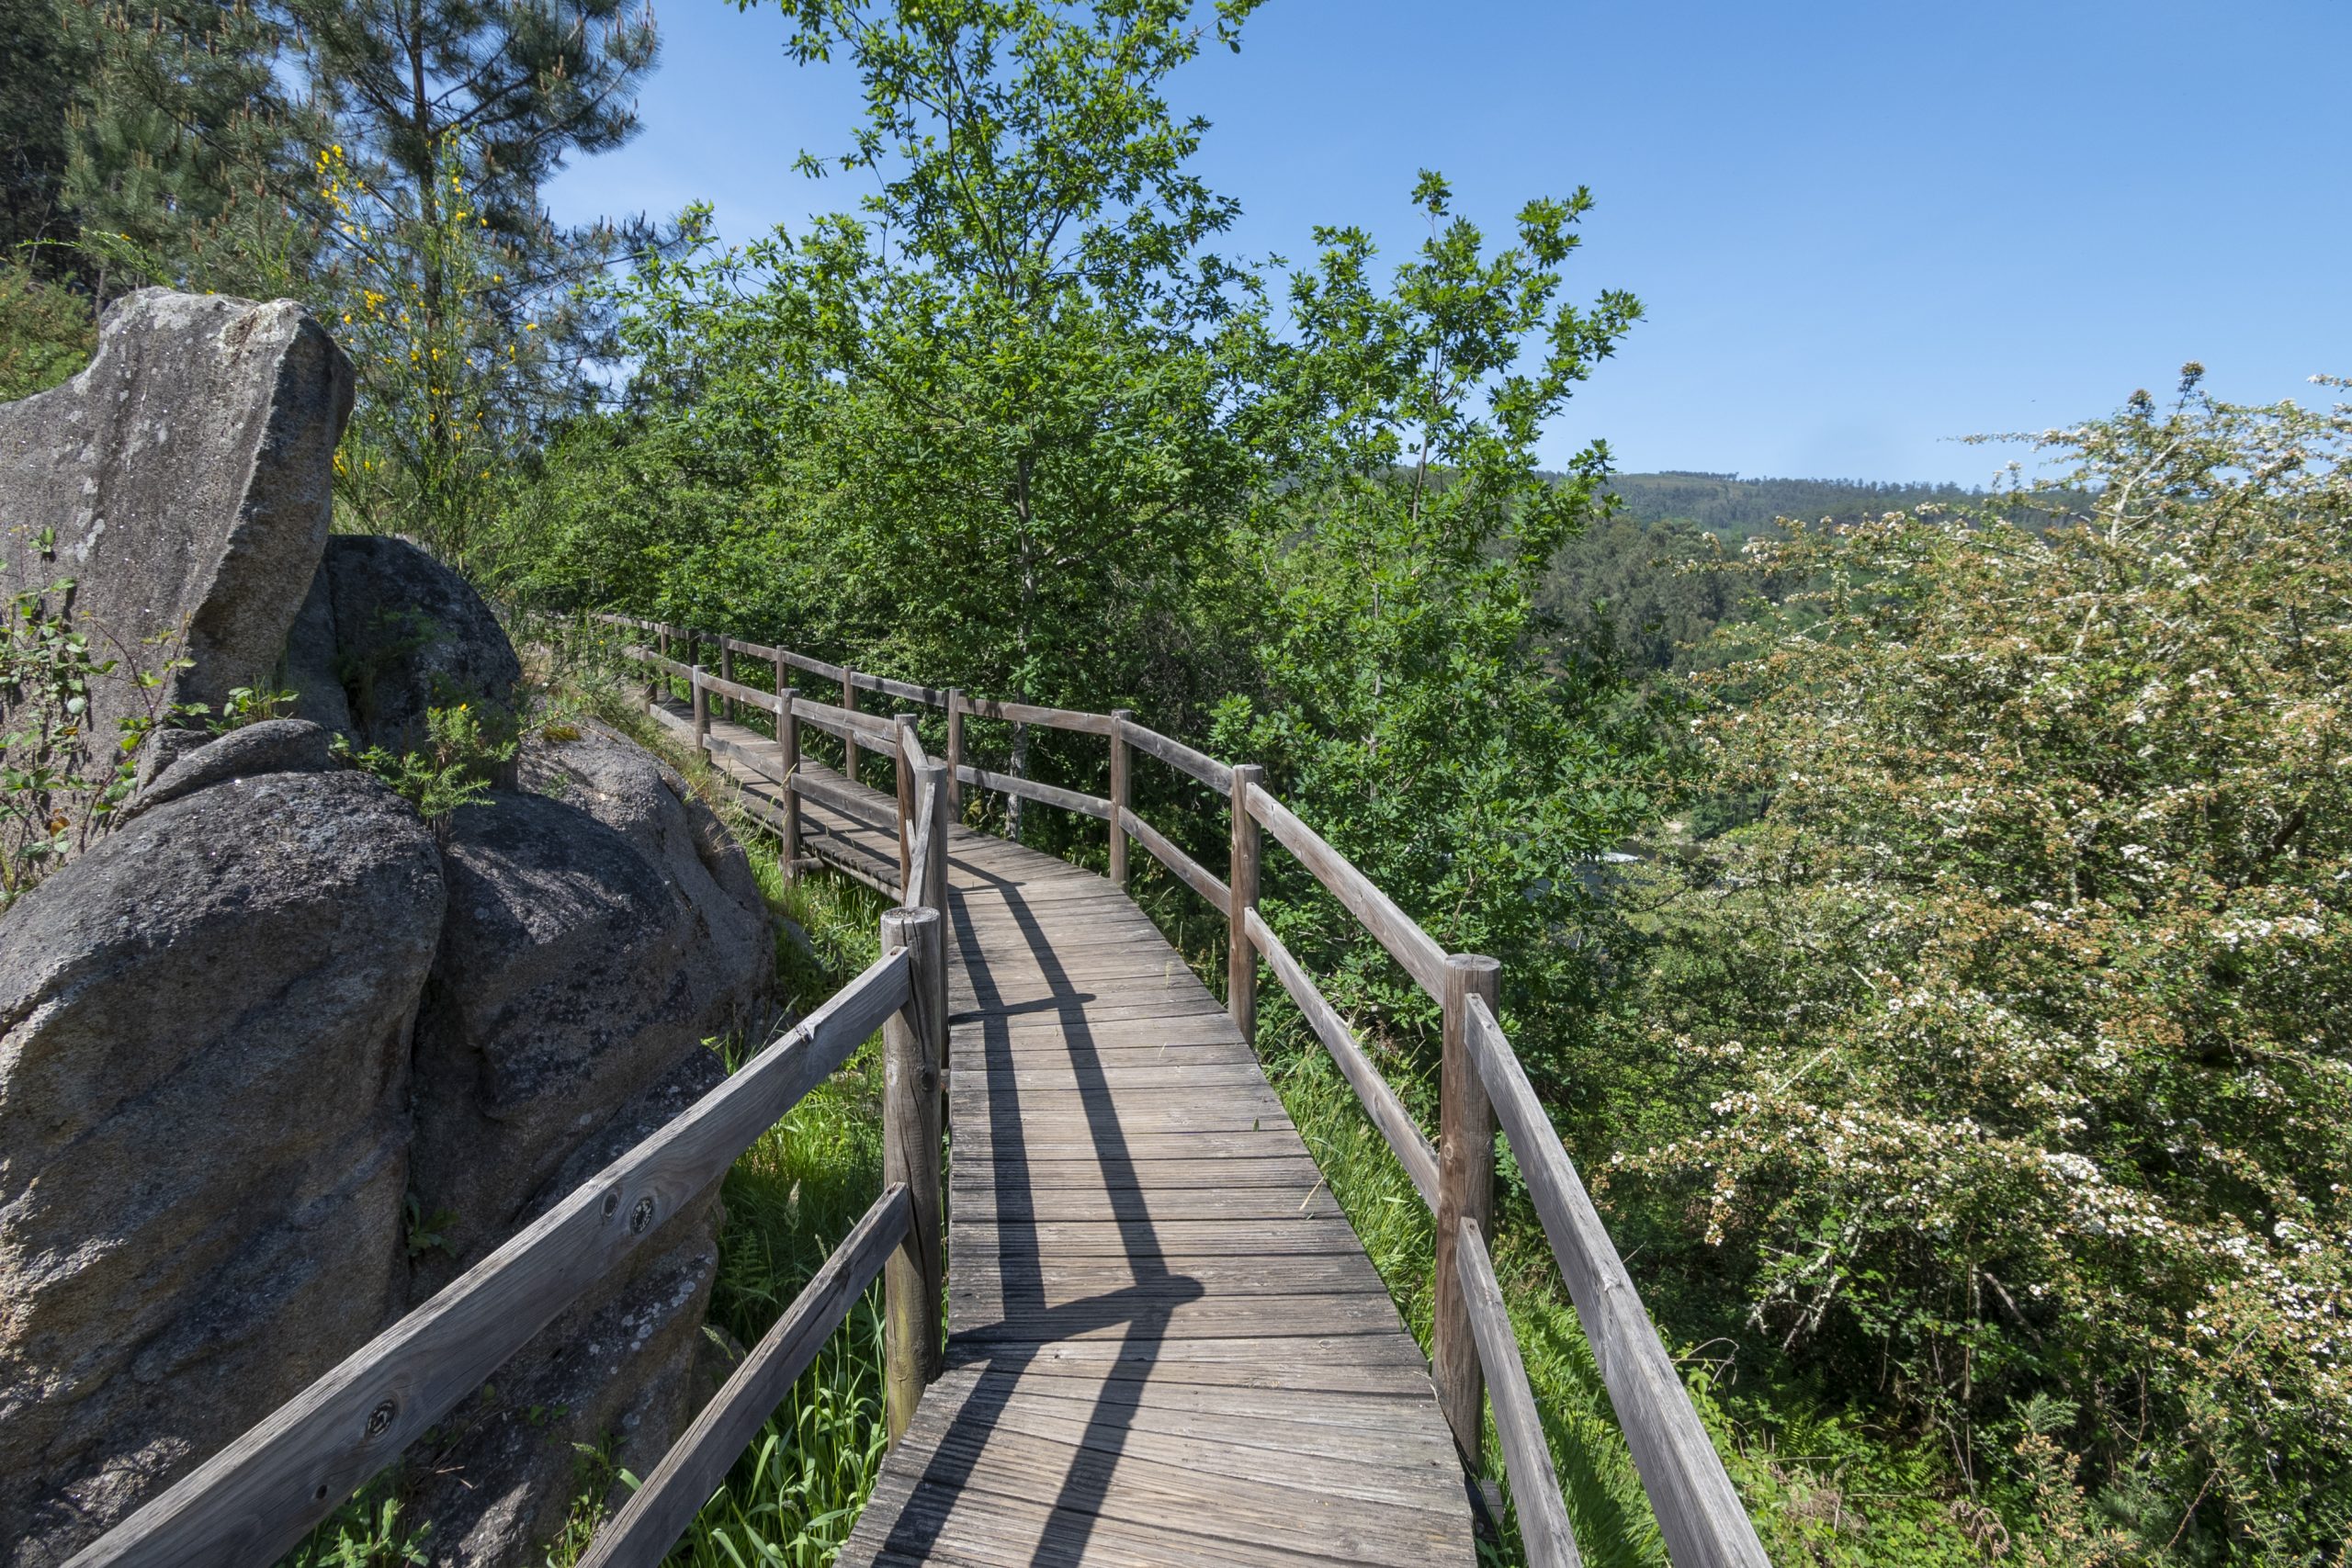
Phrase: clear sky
[1858,229]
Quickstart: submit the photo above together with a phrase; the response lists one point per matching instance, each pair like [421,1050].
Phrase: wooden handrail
[1178,755]
[765,700]
[1380,1102]
[1190,872]
[1092,805]
[1422,958]
[642,1533]
[256,1497]
[1543,1527]
[1698,1510]
[1029,712]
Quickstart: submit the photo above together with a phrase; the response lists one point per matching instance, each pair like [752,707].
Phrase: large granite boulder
[204,1078]
[387,632]
[601,927]
[182,482]
[621,1372]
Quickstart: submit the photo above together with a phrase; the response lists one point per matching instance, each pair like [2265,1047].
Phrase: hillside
[1733,508]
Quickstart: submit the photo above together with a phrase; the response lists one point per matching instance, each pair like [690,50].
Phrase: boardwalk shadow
[1142,1309]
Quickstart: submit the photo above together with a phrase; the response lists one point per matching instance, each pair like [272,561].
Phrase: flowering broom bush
[2025,1011]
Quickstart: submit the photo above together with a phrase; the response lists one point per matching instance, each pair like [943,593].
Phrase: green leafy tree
[985,415]
[2021,1015]
[1404,703]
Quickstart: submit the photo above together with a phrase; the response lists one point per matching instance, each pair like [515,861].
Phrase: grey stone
[272,746]
[593,941]
[309,668]
[183,483]
[622,1372]
[204,1072]
[407,633]
[598,932]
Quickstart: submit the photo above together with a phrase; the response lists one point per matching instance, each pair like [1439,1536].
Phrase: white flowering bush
[2024,1015]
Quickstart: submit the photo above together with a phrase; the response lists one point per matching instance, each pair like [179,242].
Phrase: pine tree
[185,154]
[38,67]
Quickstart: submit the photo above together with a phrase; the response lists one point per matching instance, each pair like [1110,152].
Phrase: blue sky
[1859,231]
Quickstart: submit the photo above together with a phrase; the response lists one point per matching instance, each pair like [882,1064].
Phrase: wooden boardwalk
[1166,1345]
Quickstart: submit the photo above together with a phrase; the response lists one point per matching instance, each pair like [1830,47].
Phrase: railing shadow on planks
[260,1495]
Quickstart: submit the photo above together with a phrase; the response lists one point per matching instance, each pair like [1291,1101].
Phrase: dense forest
[1974,1096]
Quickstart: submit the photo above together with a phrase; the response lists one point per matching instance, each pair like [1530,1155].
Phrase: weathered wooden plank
[258,1495]
[1527,1454]
[641,1534]
[1698,1510]
[1390,926]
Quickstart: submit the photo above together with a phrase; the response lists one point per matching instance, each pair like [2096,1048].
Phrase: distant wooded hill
[1626,583]
[1733,508]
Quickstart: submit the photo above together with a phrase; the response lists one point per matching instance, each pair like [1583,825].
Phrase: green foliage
[1402,704]
[364,1533]
[465,748]
[983,412]
[61,786]
[185,149]
[2019,1013]
[46,332]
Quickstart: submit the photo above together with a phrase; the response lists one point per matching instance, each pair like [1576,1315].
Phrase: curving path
[1165,1344]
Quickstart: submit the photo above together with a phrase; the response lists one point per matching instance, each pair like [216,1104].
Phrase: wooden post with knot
[914,1049]
[1465,1190]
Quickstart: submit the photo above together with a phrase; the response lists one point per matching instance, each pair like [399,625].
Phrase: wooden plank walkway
[1165,1344]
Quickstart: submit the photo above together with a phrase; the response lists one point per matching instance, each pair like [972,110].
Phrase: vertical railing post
[932,776]
[787,746]
[1466,1190]
[849,731]
[1240,953]
[903,775]
[702,710]
[956,749]
[1119,718]
[913,1049]
[726,672]
[694,647]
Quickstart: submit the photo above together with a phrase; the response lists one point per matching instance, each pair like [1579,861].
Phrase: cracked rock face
[276,1061]
[182,483]
[204,1128]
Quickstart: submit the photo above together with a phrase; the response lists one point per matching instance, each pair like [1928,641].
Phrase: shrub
[2026,1010]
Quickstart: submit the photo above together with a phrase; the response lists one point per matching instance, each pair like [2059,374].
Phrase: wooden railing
[259,1495]
[1475,1352]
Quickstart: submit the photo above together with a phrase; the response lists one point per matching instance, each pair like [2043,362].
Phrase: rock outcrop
[387,632]
[182,482]
[276,1059]
[204,1080]
[601,927]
